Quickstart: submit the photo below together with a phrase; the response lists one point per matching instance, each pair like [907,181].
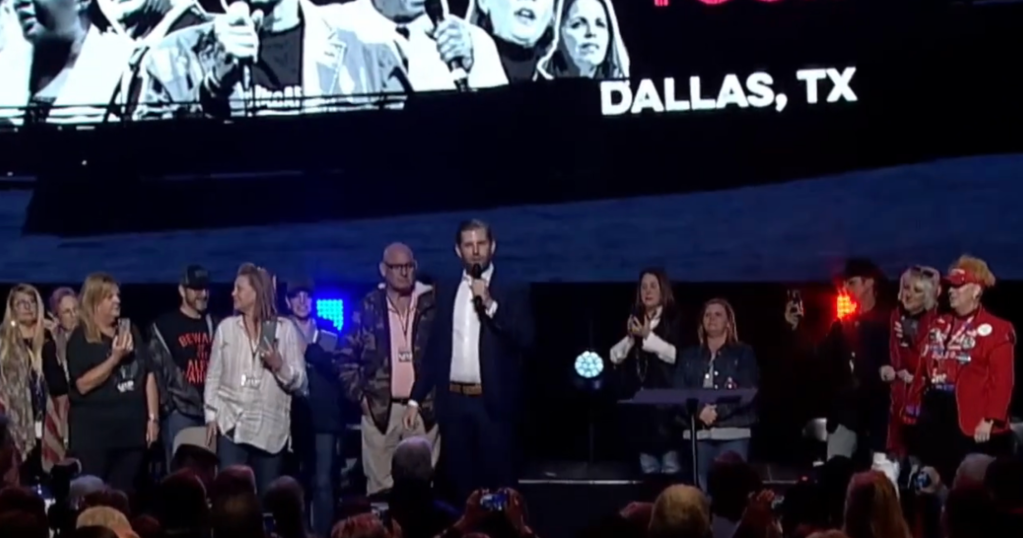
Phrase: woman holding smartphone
[113,398]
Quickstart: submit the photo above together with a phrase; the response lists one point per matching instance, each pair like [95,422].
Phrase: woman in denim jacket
[720,361]
[645,359]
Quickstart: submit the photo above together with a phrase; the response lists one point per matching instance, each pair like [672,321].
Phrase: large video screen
[95,61]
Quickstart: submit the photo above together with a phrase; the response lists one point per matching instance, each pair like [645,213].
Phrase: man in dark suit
[482,330]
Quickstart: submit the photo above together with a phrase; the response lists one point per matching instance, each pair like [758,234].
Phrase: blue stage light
[331,310]
[589,365]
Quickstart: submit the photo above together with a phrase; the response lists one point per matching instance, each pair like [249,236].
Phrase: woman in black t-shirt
[113,396]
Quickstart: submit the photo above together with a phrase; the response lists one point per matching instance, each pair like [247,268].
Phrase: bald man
[383,352]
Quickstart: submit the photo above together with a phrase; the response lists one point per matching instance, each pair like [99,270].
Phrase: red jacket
[905,396]
[984,382]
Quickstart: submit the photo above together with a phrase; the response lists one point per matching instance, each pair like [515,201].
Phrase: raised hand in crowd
[237,38]
[794,313]
[758,520]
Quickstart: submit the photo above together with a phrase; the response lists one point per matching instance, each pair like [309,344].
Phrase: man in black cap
[316,424]
[857,361]
[179,347]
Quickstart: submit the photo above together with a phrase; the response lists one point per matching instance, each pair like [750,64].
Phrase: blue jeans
[320,469]
[666,463]
[172,426]
[265,466]
[708,450]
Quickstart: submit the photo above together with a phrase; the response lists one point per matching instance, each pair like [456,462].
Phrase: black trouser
[940,442]
[120,468]
[479,450]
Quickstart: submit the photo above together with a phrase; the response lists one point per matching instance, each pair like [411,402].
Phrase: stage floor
[565,498]
[611,473]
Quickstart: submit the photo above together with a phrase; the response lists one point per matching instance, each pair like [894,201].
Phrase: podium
[691,401]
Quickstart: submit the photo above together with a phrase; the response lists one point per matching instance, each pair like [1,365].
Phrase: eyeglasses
[401,267]
[926,271]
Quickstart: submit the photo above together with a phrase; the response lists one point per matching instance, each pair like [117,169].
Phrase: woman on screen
[525,32]
[720,361]
[590,44]
[68,67]
[645,359]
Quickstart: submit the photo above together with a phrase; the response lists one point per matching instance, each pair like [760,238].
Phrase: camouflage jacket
[366,353]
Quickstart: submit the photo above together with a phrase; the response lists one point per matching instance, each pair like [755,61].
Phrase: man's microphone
[476,272]
[437,10]
[242,10]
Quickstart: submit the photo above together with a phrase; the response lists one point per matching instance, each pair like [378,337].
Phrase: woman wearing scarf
[22,388]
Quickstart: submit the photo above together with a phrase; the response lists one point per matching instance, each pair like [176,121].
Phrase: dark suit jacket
[505,340]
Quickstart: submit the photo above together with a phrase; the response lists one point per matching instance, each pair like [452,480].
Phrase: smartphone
[269,523]
[795,300]
[268,334]
[123,326]
[494,502]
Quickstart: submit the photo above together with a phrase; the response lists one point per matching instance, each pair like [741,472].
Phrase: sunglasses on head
[926,271]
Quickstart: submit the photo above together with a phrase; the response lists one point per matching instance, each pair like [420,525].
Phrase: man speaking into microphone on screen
[267,57]
[441,51]
[483,329]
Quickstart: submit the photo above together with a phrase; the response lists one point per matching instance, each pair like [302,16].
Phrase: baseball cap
[194,439]
[196,277]
[863,268]
[960,276]
[299,285]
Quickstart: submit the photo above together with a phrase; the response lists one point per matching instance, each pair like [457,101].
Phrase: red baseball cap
[960,277]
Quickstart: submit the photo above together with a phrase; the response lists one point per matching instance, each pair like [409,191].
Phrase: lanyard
[403,320]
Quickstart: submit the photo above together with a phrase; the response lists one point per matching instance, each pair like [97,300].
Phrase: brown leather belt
[466,389]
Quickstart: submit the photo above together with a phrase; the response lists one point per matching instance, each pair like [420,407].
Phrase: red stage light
[713,2]
[844,306]
[661,3]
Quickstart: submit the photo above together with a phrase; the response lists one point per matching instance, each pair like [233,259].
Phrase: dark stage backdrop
[572,318]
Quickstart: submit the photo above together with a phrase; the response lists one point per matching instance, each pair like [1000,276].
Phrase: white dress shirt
[243,396]
[426,70]
[651,343]
[465,334]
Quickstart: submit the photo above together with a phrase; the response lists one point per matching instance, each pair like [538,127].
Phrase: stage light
[844,306]
[589,365]
[332,311]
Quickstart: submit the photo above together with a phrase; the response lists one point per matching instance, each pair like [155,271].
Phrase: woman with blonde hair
[919,289]
[720,361]
[256,364]
[114,403]
[22,384]
[872,508]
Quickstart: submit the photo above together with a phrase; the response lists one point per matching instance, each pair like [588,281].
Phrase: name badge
[250,381]
[404,355]
[39,429]
[126,386]
[969,343]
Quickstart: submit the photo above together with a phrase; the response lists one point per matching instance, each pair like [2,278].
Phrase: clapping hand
[904,376]
[636,328]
